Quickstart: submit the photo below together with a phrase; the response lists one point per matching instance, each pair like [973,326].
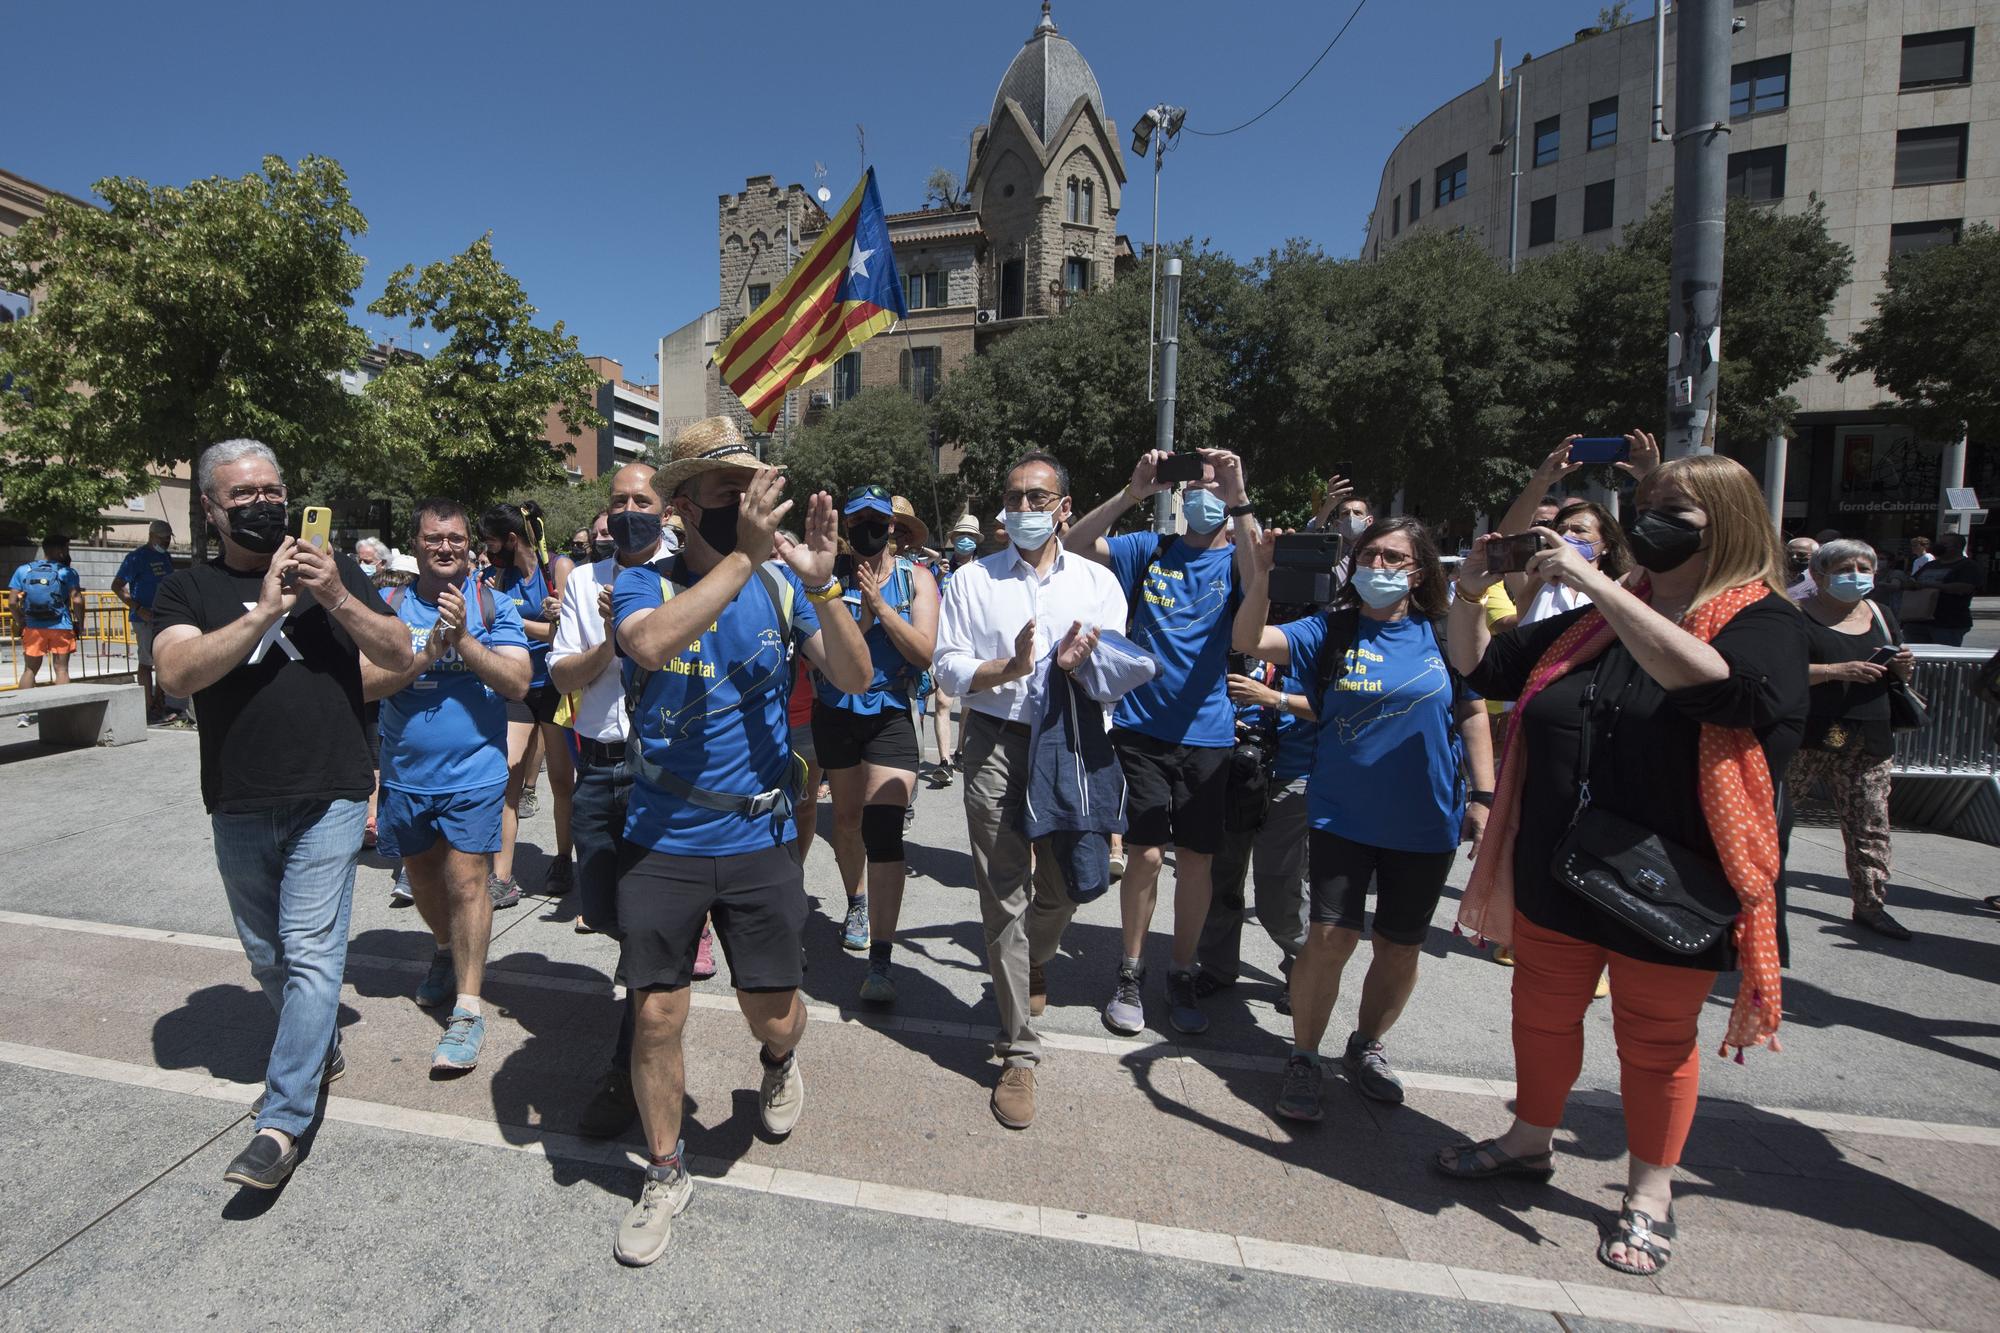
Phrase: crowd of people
[1608,727]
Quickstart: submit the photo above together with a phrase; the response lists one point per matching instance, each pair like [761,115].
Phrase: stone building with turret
[1035,225]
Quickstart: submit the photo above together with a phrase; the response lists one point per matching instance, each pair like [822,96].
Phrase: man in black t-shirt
[1957,581]
[268,641]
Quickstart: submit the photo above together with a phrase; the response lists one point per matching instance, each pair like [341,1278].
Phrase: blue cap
[862,502]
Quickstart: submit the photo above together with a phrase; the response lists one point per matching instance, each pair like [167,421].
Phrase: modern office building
[631,426]
[1887,112]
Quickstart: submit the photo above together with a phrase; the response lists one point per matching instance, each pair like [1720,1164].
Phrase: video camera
[1304,568]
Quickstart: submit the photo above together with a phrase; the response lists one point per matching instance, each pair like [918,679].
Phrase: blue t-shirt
[1182,605]
[714,716]
[71,583]
[526,593]
[894,674]
[446,731]
[1388,763]
[143,570]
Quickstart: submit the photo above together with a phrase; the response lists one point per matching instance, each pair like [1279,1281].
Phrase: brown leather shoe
[1038,990]
[1014,1097]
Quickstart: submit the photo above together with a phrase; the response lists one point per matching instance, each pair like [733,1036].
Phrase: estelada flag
[844,292]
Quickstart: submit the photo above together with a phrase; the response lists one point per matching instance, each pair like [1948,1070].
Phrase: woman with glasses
[1387,798]
[866,743]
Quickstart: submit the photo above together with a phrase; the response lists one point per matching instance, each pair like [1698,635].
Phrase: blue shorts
[409,822]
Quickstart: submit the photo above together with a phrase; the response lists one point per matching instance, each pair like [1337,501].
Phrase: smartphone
[1179,467]
[1600,449]
[317,527]
[1884,655]
[1510,555]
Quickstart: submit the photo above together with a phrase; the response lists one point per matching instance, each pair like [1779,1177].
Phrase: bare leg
[885,786]
[520,755]
[659,1082]
[1316,982]
[62,668]
[850,794]
[471,917]
[1193,885]
[776,1018]
[562,780]
[1136,893]
[29,666]
[805,819]
[1392,976]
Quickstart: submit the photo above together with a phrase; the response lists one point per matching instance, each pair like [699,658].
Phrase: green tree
[880,436]
[469,422]
[1933,341]
[173,318]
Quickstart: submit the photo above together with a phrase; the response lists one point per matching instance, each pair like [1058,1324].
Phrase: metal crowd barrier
[1947,772]
[105,647]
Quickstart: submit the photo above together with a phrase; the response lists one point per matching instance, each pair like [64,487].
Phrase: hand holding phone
[1600,449]
[1179,467]
[1510,555]
[317,526]
[1884,656]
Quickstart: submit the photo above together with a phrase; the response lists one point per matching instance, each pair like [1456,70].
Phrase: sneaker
[400,892]
[854,935]
[458,1048]
[876,988]
[941,776]
[1126,1012]
[1038,990]
[643,1235]
[530,803]
[1298,1097]
[28,720]
[440,983]
[1185,1014]
[561,878]
[704,955]
[910,814]
[1208,983]
[504,892]
[1369,1070]
[783,1097]
[611,1109]
[263,1165]
[335,1069]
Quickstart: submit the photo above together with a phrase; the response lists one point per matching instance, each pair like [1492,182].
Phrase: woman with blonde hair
[1636,819]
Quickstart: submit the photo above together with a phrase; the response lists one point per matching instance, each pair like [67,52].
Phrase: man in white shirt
[1001,616]
[583,665]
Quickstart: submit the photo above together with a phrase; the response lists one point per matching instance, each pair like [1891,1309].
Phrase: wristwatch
[1284,704]
[1239,511]
[1484,798]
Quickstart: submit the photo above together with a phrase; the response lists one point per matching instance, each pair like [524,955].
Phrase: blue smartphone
[1600,449]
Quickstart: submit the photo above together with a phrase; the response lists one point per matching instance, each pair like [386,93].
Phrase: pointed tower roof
[1046,77]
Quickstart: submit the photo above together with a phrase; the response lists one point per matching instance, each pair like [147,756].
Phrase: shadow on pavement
[226,1031]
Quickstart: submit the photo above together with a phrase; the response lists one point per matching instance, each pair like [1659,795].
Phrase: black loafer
[1879,921]
[263,1165]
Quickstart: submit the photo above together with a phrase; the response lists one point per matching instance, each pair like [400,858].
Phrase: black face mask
[603,550]
[868,539]
[257,525]
[579,551]
[1800,563]
[718,526]
[635,530]
[1661,541]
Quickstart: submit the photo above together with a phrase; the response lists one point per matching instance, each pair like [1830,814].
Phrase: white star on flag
[857,265]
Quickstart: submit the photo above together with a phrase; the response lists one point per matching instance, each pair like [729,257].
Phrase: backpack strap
[1342,628]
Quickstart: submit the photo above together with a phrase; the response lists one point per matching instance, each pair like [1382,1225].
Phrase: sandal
[1539,1167]
[1635,1231]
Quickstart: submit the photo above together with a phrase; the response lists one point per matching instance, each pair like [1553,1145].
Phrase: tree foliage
[1934,339]
[173,318]
[880,436]
[469,422]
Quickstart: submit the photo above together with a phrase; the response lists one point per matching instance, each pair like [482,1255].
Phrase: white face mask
[1353,525]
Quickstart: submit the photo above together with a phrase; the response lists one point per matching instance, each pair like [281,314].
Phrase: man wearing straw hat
[706,636]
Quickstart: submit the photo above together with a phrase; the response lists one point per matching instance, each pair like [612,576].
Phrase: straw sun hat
[708,445]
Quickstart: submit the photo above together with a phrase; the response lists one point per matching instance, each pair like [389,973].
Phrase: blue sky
[593,139]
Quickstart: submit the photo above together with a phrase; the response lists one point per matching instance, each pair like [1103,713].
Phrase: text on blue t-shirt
[1183,602]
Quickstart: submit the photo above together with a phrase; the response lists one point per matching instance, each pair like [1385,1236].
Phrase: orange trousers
[1655,1010]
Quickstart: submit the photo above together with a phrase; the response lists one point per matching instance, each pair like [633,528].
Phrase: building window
[1076,274]
[1548,140]
[1089,202]
[1598,201]
[760,292]
[1758,175]
[1909,238]
[1542,221]
[1396,216]
[1416,200]
[1603,123]
[923,371]
[1072,201]
[1451,181]
[1013,288]
[1760,85]
[925,291]
[1930,156]
[1937,59]
[846,377]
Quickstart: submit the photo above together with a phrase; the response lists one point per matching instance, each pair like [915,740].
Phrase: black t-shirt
[1857,715]
[1954,609]
[1643,756]
[287,728]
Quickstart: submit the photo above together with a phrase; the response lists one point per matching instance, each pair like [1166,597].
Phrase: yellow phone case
[317,526]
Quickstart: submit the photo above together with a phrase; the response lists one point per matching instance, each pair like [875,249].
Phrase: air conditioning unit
[821,398]
[986,317]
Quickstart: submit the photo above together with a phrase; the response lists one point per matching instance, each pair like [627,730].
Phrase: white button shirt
[987,602]
[600,705]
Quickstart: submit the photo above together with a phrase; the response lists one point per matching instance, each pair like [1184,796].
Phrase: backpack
[44,591]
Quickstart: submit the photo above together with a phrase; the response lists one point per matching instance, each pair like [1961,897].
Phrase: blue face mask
[1851,587]
[1204,511]
[1586,549]
[1030,529]
[1381,587]
[965,545]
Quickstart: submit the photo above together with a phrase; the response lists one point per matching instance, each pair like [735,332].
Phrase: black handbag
[1907,709]
[1679,899]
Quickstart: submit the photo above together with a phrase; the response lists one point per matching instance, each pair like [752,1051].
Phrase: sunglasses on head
[868,493]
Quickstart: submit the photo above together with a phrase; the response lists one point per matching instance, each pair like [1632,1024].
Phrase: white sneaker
[643,1235]
[783,1097]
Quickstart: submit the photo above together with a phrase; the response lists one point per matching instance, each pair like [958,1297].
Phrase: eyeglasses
[1381,559]
[250,494]
[1040,500]
[869,493]
[444,543]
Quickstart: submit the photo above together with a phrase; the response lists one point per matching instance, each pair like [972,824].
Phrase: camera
[1305,568]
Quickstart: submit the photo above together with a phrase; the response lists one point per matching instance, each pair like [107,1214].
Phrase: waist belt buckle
[763,803]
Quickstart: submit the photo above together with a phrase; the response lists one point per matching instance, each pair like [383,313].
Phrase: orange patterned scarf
[1737,801]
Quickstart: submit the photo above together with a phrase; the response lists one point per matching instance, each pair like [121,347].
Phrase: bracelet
[1484,798]
[826,592]
[1243,510]
[344,596]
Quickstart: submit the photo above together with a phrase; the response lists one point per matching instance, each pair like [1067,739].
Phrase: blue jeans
[289,874]
[597,831]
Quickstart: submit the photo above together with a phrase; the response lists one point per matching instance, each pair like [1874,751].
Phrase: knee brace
[882,832]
